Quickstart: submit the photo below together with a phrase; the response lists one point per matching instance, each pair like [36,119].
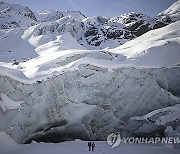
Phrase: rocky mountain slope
[52,15]
[92,33]
[172,12]
[53,89]
[14,16]
[139,23]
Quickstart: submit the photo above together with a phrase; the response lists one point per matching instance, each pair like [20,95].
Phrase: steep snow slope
[99,33]
[27,44]
[173,12]
[14,48]
[52,15]
[139,23]
[92,33]
[14,15]
[156,48]
[48,15]
[74,14]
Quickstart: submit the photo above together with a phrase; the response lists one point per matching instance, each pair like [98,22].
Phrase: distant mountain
[92,33]
[14,16]
[139,23]
[52,15]
[172,13]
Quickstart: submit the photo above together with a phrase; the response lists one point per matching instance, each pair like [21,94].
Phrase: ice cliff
[89,103]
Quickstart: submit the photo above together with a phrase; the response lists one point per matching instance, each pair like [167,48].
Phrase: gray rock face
[139,23]
[88,103]
[91,33]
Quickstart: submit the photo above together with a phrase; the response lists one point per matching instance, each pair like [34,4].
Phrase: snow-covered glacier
[88,103]
[53,89]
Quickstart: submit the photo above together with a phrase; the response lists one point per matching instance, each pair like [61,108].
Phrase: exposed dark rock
[91,32]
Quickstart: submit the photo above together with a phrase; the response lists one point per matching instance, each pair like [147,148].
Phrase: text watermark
[114,140]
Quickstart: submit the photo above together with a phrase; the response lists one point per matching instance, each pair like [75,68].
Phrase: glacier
[64,76]
[88,103]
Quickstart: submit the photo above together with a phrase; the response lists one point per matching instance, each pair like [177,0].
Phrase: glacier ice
[88,103]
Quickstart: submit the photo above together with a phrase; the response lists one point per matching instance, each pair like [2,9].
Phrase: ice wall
[88,103]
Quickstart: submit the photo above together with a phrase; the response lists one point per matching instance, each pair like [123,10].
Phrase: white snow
[52,15]
[14,16]
[156,48]
[48,15]
[38,51]
[136,18]
[7,104]
[8,146]
[173,11]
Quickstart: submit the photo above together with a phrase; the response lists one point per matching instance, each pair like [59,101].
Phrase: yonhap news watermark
[167,140]
[114,140]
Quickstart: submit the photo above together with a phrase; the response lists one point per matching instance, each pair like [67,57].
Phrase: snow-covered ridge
[54,54]
[139,23]
[25,11]
[158,48]
[15,16]
[52,15]
[92,33]
[173,12]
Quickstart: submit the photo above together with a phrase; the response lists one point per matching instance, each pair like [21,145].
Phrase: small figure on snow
[89,145]
[93,146]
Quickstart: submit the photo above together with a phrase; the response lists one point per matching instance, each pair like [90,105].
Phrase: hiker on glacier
[89,145]
[93,146]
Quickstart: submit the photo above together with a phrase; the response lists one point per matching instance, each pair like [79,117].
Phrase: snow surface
[52,15]
[173,11]
[40,56]
[156,48]
[15,16]
[9,146]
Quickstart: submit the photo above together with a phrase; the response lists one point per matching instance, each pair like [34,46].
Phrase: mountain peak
[173,12]
[15,15]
